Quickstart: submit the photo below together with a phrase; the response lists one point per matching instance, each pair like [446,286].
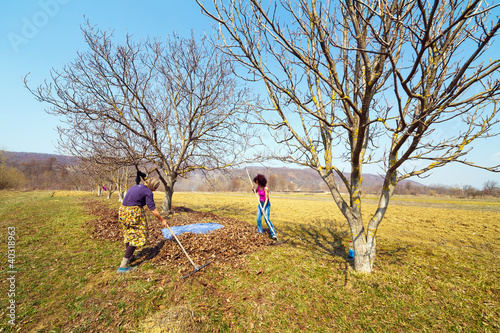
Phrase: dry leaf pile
[106,226]
[219,246]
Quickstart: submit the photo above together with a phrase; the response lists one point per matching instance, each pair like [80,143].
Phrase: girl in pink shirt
[264,204]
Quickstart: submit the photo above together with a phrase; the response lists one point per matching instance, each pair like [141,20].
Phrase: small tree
[174,104]
[272,182]
[368,82]
[10,177]
[470,191]
[491,187]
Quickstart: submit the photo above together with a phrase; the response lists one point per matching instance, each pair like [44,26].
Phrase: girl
[264,204]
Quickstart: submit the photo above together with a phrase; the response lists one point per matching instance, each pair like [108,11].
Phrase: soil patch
[220,246]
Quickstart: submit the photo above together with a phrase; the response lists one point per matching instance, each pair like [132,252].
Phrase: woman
[133,219]
[264,203]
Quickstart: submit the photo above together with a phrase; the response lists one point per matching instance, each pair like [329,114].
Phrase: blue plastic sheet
[197,228]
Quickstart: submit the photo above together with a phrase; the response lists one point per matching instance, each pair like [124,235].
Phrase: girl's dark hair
[260,179]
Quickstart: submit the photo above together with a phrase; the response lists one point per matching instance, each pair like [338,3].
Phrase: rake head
[196,269]
[279,242]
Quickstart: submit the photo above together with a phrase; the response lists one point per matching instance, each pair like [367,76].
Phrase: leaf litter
[221,246]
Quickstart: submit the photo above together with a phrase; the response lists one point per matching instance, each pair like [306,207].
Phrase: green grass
[67,282]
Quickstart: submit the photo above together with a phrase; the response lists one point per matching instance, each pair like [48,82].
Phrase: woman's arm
[267,195]
[156,213]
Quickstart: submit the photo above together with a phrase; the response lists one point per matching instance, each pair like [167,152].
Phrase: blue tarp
[197,228]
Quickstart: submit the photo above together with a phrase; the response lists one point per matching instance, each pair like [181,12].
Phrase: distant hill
[302,179]
[23,157]
[279,179]
[40,171]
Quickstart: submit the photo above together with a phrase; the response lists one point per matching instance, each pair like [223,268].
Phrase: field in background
[429,220]
[437,270]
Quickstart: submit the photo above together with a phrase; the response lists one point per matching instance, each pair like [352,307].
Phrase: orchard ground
[437,268]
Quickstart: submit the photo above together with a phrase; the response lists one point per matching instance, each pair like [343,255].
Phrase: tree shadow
[399,250]
[320,236]
[391,253]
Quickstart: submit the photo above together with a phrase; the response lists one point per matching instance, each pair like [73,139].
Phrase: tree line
[38,172]
[33,174]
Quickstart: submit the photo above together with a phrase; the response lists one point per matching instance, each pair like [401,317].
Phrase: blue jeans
[267,211]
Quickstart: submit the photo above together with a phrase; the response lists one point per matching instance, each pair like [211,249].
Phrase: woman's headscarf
[152,183]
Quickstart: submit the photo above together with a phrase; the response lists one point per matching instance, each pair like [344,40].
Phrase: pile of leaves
[219,246]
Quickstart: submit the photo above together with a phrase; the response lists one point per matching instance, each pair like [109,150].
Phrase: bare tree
[112,178]
[470,191]
[174,104]
[368,82]
[491,187]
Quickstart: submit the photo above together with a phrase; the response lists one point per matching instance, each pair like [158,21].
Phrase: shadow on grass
[146,254]
[320,236]
[399,250]
[327,238]
[392,253]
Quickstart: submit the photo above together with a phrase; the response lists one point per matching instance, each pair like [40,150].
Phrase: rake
[196,268]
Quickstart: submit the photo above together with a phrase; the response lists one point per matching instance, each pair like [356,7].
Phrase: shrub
[10,177]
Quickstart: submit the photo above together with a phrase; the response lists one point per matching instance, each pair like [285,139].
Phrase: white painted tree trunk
[121,195]
[364,255]
[121,192]
[363,238]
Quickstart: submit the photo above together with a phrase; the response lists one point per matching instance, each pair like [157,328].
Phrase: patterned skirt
[134,225]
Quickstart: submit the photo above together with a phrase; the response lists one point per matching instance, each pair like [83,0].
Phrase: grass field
[437,270]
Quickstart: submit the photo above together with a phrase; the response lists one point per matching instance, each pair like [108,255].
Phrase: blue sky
[39,35]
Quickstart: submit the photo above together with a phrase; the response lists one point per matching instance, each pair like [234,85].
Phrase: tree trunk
[168,182]
[121,192]
[364,243]
[167,202]
[121,195]
[364,254]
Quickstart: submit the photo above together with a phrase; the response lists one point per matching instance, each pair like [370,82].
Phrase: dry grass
[458,227]
[71,193]
[176,319]
[437,270]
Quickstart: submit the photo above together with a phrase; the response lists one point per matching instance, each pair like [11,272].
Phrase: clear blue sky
[39,35]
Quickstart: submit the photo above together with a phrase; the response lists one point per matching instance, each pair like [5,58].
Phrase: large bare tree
[174,104]
[406,84]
